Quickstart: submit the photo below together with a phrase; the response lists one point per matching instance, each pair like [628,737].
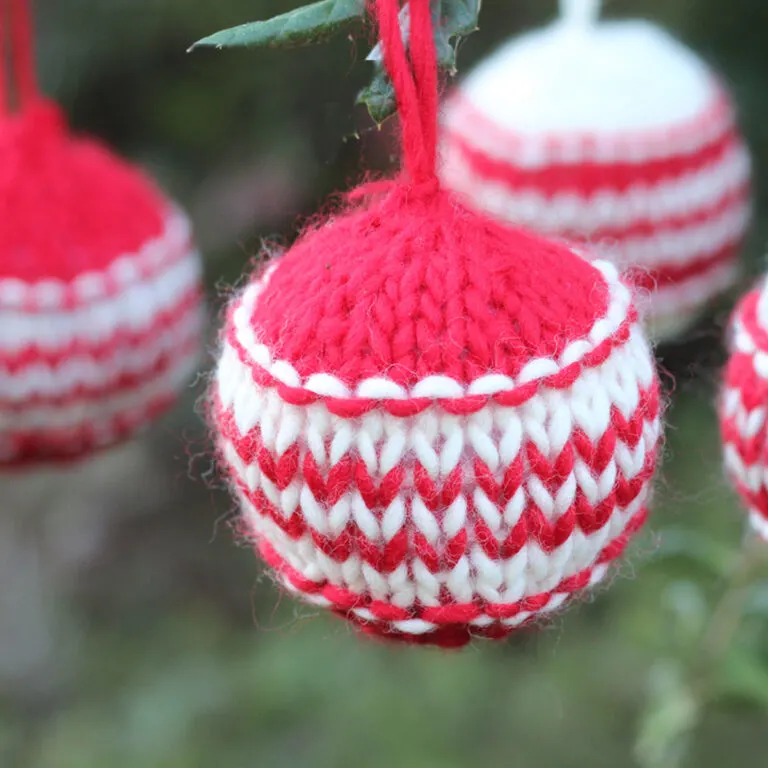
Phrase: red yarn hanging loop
[17,65]
[23,53]
[3,73]
[414,77]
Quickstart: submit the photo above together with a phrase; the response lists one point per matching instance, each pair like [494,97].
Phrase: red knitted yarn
[626,142]
[99,285]
[437,427]
[437,290]
[744,404]
[95,206]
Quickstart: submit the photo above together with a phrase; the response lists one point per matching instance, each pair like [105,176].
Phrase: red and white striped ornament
[100,294]
[437,426]
[614,134]
[744,405]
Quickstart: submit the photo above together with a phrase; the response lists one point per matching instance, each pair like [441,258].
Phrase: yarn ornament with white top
[613,134]
[100,293]
[743,405]
[437,426]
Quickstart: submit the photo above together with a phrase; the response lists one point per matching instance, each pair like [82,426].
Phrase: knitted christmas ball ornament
[437,426]
[100,298]
[613,134]
[744,403]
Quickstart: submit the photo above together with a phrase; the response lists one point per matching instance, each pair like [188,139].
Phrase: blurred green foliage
[185,655]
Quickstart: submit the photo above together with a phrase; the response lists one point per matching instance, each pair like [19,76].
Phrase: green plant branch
[727,615]
[302,26]
[316,22]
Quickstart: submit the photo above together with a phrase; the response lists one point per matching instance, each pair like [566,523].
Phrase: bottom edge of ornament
[450,625]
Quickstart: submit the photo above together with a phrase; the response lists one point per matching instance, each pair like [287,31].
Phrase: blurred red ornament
[744,405]
[100,294]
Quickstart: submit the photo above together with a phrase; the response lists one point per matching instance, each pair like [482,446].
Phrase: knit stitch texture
[436,426]
[744,405]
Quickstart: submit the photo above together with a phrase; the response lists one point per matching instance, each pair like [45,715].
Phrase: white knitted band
[380,387]
[569,211]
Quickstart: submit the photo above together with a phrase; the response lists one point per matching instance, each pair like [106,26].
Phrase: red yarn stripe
[451,618]
[354,407]
[66,445]
[350,475]
[674,274]
[747,313]
[645,227]
[180,318]
[657,141]
[415,83]
[588,178]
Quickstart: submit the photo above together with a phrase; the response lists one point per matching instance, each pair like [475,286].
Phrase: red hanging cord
[414,77]
[3,61]
[424,63]
[22,48]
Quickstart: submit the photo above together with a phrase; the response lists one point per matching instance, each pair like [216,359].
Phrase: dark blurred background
[134,632]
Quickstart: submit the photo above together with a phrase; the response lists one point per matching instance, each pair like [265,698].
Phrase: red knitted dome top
[67,205]
[415,285]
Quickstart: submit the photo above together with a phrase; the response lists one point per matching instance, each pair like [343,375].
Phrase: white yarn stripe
[96,413]
[531,152]
[753,477]
[441,442]
[671,300]
[529,573]
[743,341]
[762,304]
[91,286]
[606,209]
[620,302]
[133,309]
[759,524]
[679,246]
[749,423]
[65,378]
[750,476]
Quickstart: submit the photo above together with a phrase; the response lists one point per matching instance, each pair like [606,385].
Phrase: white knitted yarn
[555,131]
[139,294]
[570,78]
[439,443]
[744,405]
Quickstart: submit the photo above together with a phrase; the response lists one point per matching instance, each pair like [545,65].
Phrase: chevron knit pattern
[100,295]
[744,405]
[436,426]
[614,135]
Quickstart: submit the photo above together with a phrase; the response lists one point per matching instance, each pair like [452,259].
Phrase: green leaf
[458,18]
[714,556]
[308,24]
[671,714]
[454,19]
[379,97]
[744,676]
